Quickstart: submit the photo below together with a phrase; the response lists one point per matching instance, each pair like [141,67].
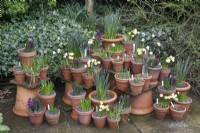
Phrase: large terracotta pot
[136,88]
[125,114]
[36,118]
[128,46]
[178,115]
[136,67]
[66,73]
[19,74]
[155,73]
[165,92]
[127,63]
[106,63]
[43,73]
[77,74]
[160,112]
[115,54]
[184,89]
[66,98]
[26,58]
[85,117]
[117,66]
[147,82]
[88,80]
[163,74]
[113,123]
[47,99]
[52,119]
[32,79]
[109,102]
[185,104]
[107,42]
[99,121]
[122,84]
[75,101]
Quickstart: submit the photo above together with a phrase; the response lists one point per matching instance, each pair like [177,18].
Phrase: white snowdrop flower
[65,54]
[142,39]
[54,52]
[85,66]
[147,47]
[113,45]
[143,34]
[58,50]
[33,27]
[153,36]
[158,43]
[135,31]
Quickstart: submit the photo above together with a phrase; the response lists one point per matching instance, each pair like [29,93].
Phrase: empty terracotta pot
[117,65]
[113,123]
[163,74]
[160,112]
[88,80]
[43,73]
[26,58]
[107,42]
[36,118]
[77,74]
[19,74]
[136,67]
[177,115]
[52,119]
[84,117]
[47,99]
[147,82]
[106,63]
[99,121]
[155,73]
[66,73]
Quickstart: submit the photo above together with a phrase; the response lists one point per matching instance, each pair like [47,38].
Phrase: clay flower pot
[113,123]
[88,80]
[77,74]
[106,63]
[136,67]
[115,54]
[128,46]
[163,74]
[36,118]
[136,88]
[185,104]
[52,119]
[84,60]
[127,63]
[26,58]
[43,73]
[147,82]
[160,112]
[125,114]
[99,122]
[178,115]
[117,65]
[122,84]
[163,91]
[85,117]
[155,73]
[19,74]
[75,101]
[32,79]
[47,99]
[184,89]
[66,73]
[66,99]
[107,42]
[96,102]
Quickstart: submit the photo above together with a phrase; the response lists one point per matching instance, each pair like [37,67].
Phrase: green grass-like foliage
[116,47]
[168,84]
[85,105]
[47,87]
[114,112]
[53,109]
[163,104]
[33,69]
[42,61]
[77,88]
[124,101]
[3,128]
[182,97]
[124,74]
[137,79]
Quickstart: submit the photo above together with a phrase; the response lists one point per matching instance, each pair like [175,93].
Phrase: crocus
[30,103]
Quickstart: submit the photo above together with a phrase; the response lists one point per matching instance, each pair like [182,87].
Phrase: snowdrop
[158,43]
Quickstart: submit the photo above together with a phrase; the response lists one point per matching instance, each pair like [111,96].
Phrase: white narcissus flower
[135,31]
[71,54]
[99,62]
[139,51]
[100,110]
[58,50]
[142,39]
[158,43]
[101,102]
[147,47]
[95,63]
[150,53]
[113,45]
[54,52]
[161,95]
[107,109]
[85,66]
[132,35]
[168,60]
[65,54]
[93,37]
[129,33]
[153,35]
[90,41]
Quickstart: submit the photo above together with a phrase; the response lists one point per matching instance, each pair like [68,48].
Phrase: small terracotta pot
[43,73]
[47,99]
[128,46]
[107,42]
[185,104]
[136,88]
[122,84]
[147,82]
[36,118]
[155,73]
[127,63]
[184,89]
[113,123]
[99,121]
[32,79]
[19,74]
[117,66]
[160,112]
[88,80]
[52,119]
[163,74]
[26,58]
[66,98]
[165,92]
[66,73]
[177,115]
[85,117]
[84,60]
[136,67]
[115,54]
[106,63]
[78,74]
[125,114]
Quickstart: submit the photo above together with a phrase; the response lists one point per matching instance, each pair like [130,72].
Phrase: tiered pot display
[107,42]
[117,64]
[155,73]
[66,73]
[184,87]
[161,112]
[163,74]
[136,67]
[43,73]
[177,112]
[19,74]
[52,116]
[77,74]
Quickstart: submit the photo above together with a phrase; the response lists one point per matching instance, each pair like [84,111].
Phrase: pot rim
[76,97]
[47,96]
[52,114]
[185,88]
[121,38]
[185,103]
[134,62]
[113,120]
[85,112]
[151,68]
[150,76]
[103,117]
[78,70]
[183,111]
[124,42]
[136,84]
[161,109]
[39,113]
[24,54]
[120,80]
[17,71]
[120,62]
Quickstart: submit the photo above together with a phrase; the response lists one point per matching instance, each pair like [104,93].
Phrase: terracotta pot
[84,60]
[147,82]
[43,73]
[109,102]
[106,63]
[19,74]
[165,92]
[125,114]
[128,46]
[36,118]
[117,66]
[115,54]
[52,119]
[113,123]
[85,117]
[177,115]
[163,74]
[127,63]
[136,67]
[185,104]
[78,74]
[75,101]
[107,42]
[26,58]
[32,79]
[122,84]
[155,73]
[88,80]
[136,88]
[47,99]
[66,98]
[184,89]
[99,122]
[66,73]
[160,112]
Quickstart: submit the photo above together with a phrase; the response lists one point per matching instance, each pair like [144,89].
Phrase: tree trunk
[89,5]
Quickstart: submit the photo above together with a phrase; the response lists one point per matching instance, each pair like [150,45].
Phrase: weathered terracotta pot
[36,118]
[160,112]
[115,54]
[66,98]
[136,88]
[122,84]
[75,101]
[128,46]
[43,73]
[117,66]
[184,89]
[177,115]
[52,119]
[155,73]
[113,123]
[147,82]
[165,92]
[32,79]
[136,67]
[107,42]
[106,63]
[84,60]
[19,74]
[185,104]
[47,99]
[78,74]
[66,73]
[127,63]
[88,80]
[99,121]
[85,117]
[26,58]
[163,74]
[125,114]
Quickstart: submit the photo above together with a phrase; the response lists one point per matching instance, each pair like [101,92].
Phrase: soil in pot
[47,99]
[52,119]
[177,112]
[160,111]
[99,121]
[19,74]
[43,73]
[84,117]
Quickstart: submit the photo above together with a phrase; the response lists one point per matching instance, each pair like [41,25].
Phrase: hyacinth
[173,80]
[98,35]
[30,103]
[157,61]
[31,43]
